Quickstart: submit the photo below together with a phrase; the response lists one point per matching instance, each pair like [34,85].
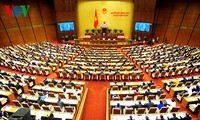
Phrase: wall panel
[183,36]
[171,35]
[4,39]
[51,33]
[159,32]
[15,37]
[40,35]
[195,38]
[182,16]
[28,35]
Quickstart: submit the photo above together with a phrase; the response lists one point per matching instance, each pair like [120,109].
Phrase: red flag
[96,22]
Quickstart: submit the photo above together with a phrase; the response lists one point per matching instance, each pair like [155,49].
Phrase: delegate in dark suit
[149,105]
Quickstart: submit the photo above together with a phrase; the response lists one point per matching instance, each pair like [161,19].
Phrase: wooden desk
[187,100]
[133,102]
[51,100]
[131,92]
[43,113]
[142,117]
[8,94]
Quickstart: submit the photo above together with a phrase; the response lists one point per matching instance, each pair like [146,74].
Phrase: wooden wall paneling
[42,20]
[165,39]
[191,14]
[181,22]
[5,38]
[194,38]
[47,11]
[28,35]
[183,36]
[40,35]
[15,37]
[159,32]
[48,19]
[171,35]
[51,33]
[36,20]
[178,12]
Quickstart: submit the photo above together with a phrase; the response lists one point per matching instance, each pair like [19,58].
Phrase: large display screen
[66,26]
[142,26]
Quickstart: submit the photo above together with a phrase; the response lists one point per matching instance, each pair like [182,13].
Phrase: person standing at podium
[104,27]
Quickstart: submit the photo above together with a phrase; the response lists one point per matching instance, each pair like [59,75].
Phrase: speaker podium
[104,31]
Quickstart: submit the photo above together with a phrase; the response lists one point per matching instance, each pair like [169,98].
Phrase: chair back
[79,76]
[64,75]
[162,96]
[78,87]
[73,97]
[128,111]
[163,110]
[126,76]
[115,88]
[86,76]
[118,77]
[57,108]
[133,76]
[110,77]
[46,108]
[141,76]
[116,111]
[51,85]
[36,106]
[194,94]
[69,109]
[125,88]
[94,76]
[25,105]
[61,95]
[175,109]
[58,74]
[140,97]
[141,111]
[152,110]
[71,76]
[52,94]
[16,103]
[59,85]
[31,92]
[151,97]
[102,76]
[153,87]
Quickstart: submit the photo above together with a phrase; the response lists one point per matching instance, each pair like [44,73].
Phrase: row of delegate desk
[46,113]
[186,100]
[124,103]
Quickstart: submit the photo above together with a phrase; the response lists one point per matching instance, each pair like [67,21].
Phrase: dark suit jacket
[138,106]
[18,86]
[159,92]
[60,103]
[173,118]
[150,104]
[40,102]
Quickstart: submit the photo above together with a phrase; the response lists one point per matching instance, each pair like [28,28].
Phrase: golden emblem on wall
[104,10]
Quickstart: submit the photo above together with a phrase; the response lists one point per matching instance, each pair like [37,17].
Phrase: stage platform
[116,43]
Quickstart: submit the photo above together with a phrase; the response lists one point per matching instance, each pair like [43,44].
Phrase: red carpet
[95,105]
